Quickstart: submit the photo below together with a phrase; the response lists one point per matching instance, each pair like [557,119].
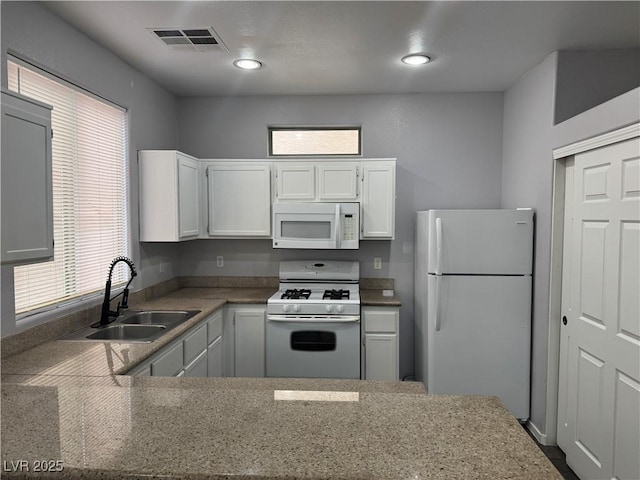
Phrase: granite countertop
[197,428]
[66,401]
[376,298]
[79,358]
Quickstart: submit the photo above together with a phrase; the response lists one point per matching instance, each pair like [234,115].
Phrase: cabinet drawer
[214,327]
[195,343]
[380,321]
[168,364]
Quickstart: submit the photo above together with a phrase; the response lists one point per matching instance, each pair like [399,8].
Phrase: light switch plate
[377,263]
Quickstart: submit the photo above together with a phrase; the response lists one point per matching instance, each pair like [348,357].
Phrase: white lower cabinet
[169,362]
[380,355]
[249,340]
[214,359]
[196,353]
[198,367]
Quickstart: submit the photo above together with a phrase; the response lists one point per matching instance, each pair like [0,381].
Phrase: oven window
[313,341]
[296,229]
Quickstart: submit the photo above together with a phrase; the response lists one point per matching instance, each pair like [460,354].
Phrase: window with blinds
[90,186]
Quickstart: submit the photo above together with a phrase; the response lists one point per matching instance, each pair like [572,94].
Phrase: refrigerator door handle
[437,306]
[438,246]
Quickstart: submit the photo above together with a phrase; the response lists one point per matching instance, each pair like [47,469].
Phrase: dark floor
[557,457]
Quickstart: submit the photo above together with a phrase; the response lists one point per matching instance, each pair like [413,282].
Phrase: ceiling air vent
[190,39]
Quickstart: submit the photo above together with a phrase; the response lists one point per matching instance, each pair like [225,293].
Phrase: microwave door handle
[337,229]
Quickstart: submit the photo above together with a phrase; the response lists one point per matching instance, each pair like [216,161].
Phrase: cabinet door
[197,368]
[27,194]
[378,200]
[239,200]
[214,358]
[168,363]
[295,181]
[381,356]
[249,343]
[188,199]
[337,181]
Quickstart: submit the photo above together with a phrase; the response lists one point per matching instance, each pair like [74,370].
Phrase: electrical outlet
[220,261]
[377,263]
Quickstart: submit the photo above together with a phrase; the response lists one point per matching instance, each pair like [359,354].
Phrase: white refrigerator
[473,303]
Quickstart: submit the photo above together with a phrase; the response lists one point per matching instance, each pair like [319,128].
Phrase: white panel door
[599,407]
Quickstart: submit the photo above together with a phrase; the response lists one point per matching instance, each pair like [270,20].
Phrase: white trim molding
[608,138]
[540,437]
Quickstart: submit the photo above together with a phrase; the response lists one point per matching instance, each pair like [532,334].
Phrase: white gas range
[313,321]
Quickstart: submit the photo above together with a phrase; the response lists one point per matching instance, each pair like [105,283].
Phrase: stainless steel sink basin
[135,326]
[127,332]
[156,317]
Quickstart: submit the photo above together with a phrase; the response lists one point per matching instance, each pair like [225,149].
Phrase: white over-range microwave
[316,225]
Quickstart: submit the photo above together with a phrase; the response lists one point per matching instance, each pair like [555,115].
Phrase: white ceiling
[310,47]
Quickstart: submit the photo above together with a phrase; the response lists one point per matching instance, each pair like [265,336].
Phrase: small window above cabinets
[317,181]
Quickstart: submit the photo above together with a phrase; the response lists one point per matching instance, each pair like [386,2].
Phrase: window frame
[307,128]
[81,301]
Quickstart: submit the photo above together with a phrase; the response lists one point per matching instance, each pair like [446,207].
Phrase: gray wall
[448,150]
[33,32]
[527,179]
[587,78]
[527,171]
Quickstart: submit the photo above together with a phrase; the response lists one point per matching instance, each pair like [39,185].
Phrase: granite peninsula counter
[68,402]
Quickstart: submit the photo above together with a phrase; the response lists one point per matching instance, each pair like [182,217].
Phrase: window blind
[89,148]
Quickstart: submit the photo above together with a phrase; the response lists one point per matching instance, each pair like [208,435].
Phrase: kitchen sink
[134,326]
[127,332]
[155,317]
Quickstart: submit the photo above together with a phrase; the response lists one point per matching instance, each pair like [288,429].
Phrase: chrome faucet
[107,313]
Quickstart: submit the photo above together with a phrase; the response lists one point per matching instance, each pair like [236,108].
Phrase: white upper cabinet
[238,199]
[317,181]
[295,181]
[337,181]
[169,196]
[188,196]
[378,200]
[27,192]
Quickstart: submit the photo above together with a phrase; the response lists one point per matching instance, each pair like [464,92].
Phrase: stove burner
[295,294]
[336,295]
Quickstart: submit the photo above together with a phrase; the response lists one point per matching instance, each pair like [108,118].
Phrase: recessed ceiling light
[416,59]
[247,64]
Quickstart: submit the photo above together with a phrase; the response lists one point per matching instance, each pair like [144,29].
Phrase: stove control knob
[328,308]
[296,308]
[285,308]
[340,309]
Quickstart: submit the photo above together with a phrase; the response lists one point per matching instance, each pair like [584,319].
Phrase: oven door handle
[313,319]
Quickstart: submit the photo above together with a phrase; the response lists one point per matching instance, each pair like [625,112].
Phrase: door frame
[561,156]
